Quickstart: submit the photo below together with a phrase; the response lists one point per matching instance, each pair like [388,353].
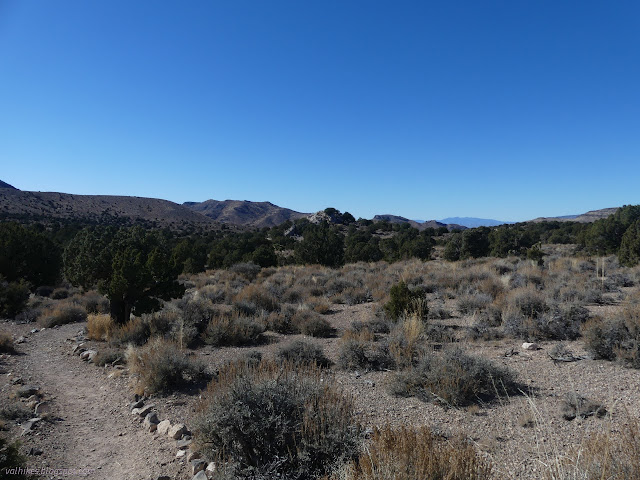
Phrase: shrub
[105,356]
[6,343]
[258,296]
[99,326]
[94,302]
[236,330]
[365,355]
[304,353]
[14,297]
[61,314]
[270,421]
[281,321]
[136,332]
[248,270]
[162,368]
[417,454]
[453,378]
[472,303]
[163,323]
[311,323]
[404,301]
[10,458]
[560,322]
[60,293]
[615,338]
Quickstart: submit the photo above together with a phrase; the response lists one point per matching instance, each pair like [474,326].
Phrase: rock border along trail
[91,429]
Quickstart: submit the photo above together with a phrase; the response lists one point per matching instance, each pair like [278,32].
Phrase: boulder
[151,421]
[200,476]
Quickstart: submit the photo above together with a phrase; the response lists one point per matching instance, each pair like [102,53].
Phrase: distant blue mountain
[472,222]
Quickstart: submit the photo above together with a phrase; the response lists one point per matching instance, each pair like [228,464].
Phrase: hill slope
[43,206]
[418,225]
[590,216]
[6,185]
[245,213]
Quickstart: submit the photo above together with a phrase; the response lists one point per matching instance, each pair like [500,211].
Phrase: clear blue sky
[498,109]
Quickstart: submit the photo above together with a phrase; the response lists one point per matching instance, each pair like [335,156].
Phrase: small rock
[92,355]
[200,476]
[35,330]
[28,425]
[20,340]
[164,477]
[163,427]
[193,455]
[530,346]
[151,421]
[28,390]
[177,431]
[16,380]
[211,468]
[198,465]
[35,451]
[42,408]
[181,453]
[184,443]
[137,404]
[143,411]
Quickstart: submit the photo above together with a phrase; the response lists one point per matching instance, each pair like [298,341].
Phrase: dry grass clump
[407,341]
[233,330]
[304,353]
[601,456]
[6,343]
[161,367]
[109,356]
[275,421]
[416,454]
[454,378]
[62,313]
[99,326]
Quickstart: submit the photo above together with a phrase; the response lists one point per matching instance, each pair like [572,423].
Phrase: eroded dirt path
[92,431]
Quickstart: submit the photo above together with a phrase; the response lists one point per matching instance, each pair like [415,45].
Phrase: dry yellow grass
[99,326]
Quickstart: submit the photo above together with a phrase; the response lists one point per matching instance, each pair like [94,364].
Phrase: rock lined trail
[93,430]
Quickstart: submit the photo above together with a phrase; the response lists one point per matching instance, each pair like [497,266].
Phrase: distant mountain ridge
[423,225]
[245,213]
[473,222]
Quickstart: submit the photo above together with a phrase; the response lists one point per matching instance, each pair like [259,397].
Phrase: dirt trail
[94,429]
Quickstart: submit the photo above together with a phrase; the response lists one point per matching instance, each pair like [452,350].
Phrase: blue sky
[495,109]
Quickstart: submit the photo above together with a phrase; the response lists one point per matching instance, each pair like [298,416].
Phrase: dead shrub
[136,332]
[407,341]
[99,326]
[275,421]
[361,354]
[161,367]
[575,405]
[417,454]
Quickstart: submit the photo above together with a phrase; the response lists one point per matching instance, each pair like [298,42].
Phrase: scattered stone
[143,411]
[198,465]
[20,340]
[35,451]
[184,443]
[200,476]
[28,390]
[211,468]
[16,380]
[181,453]
[530,346]
[35,330]
[164,477]
[151,421]
[88,355]
[138,404]
[92,355]
[28,425]
[78,349]
[32,404]
[177,431]
[163,427]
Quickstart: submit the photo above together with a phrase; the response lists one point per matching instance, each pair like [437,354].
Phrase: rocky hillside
[44,206]
[245,213]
